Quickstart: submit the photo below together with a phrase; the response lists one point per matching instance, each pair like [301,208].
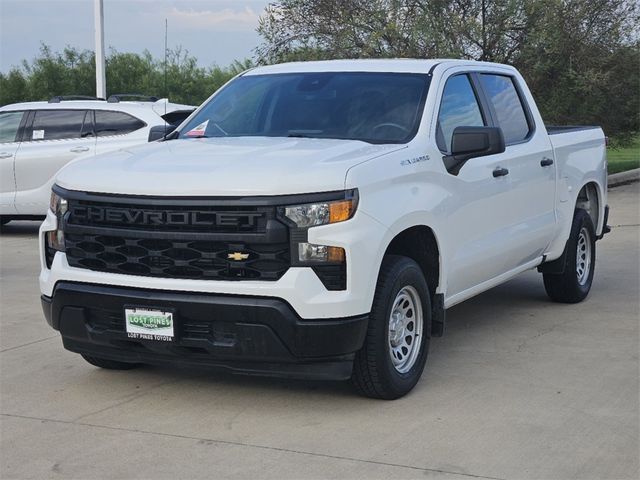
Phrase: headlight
[314,214]
[58,205]
[54,239]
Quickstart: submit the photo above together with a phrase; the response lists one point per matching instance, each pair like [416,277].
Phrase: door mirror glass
[160,131]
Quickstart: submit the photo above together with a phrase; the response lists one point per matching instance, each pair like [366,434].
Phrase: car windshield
[368,106]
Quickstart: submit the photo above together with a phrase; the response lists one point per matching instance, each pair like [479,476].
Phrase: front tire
[109,364]
[574,283]
[392,359]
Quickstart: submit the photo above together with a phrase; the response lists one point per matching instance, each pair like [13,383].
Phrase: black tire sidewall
[564,287]
[581,219]
[405,272]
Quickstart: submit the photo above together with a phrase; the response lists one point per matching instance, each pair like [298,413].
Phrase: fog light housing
[55,240]
[312,253]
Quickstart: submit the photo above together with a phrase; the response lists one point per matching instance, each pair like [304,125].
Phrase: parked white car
[317,219]
[39,138]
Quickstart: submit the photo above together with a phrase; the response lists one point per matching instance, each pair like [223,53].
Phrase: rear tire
[574,283]
[395,350]
[109,364]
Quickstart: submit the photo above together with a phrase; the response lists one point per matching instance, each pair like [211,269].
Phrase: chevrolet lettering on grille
[93,214]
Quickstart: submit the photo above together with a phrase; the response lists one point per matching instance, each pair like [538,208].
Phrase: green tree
[72,72]
[14,86]
[580,57]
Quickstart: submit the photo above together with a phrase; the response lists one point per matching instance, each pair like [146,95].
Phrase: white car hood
[222,167]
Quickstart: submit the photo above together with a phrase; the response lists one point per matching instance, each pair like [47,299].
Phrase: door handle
[546,162]
[500,172]
[79,149]
[6,155]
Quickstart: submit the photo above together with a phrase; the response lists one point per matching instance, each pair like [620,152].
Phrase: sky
[214,31]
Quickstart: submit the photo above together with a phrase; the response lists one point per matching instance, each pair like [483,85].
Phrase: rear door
[532,172]
[52,139]
[9,143]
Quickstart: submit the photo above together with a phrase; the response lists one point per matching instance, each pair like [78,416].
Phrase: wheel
[573,285]
[109,364]
[4,221]
[397,343]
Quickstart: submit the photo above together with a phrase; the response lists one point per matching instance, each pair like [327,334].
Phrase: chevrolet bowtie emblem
[237,256]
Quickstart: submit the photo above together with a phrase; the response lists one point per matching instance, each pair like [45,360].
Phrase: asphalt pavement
[518,388]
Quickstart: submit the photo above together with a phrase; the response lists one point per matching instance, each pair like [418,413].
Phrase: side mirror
[471,142]
[160,131]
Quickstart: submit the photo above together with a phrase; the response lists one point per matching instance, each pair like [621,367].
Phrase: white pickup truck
[317,219]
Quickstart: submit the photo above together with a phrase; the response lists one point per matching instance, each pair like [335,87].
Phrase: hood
[222,167]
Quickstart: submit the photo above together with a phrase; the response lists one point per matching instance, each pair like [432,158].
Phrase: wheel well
[419,243]
[589,202]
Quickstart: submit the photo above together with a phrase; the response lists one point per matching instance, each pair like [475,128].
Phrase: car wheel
[109,364]
[574,283]
[397,343]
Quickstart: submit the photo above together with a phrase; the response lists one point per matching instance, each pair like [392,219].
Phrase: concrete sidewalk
[518,388]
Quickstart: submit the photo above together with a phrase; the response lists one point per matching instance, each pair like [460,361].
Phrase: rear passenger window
[506,102]
[57,124]
[116,123]
[9,124]
[459,108]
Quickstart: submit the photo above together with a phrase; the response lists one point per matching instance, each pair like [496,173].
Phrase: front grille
[179,240]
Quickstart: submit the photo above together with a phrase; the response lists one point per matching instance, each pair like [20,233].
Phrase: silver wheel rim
[405,329]
[583,256]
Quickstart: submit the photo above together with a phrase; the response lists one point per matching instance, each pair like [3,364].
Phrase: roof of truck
[396,65]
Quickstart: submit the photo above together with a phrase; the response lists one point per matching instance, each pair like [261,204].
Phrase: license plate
[149,324]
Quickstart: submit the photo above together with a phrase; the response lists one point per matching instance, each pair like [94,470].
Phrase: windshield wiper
[308,135]
[305,134]
[302,135]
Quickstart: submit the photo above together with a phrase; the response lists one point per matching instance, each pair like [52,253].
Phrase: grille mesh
[176,258]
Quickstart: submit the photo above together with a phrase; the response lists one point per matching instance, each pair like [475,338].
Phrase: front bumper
[362,237]
[255,335]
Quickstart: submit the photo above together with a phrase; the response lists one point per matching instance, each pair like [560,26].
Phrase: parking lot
[518,387]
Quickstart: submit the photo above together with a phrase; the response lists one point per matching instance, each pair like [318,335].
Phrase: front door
[478,220]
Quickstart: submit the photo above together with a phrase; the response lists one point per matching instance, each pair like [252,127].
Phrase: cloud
[225,19]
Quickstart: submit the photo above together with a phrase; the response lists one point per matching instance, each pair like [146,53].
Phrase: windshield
[372,107]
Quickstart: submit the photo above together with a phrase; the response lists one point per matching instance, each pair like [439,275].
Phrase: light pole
[101,82]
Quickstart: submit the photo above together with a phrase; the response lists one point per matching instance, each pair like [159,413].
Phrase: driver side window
[459,108]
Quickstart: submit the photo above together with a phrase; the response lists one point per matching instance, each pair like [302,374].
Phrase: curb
[624,177]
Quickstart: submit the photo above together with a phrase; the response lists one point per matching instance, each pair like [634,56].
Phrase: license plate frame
[150,323]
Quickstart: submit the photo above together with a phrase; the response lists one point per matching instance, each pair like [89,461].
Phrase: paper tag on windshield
[37,135]
[199,131]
